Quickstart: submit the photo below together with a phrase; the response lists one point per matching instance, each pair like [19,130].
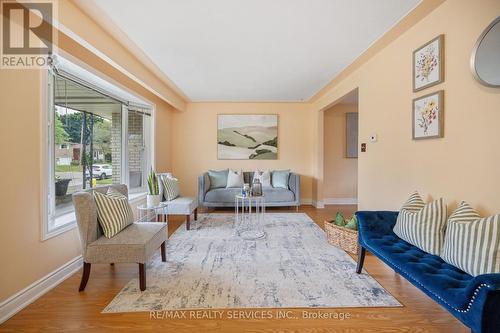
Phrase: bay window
[98,135]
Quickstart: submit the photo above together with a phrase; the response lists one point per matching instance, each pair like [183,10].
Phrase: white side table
[249,216]
[152,213]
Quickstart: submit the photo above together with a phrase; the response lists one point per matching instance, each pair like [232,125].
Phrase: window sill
[67,221]
[137,196]
[60,226]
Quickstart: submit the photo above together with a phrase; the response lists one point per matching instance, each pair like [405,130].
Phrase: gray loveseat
[224,197]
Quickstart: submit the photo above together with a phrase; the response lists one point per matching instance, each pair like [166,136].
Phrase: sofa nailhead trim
[473,298]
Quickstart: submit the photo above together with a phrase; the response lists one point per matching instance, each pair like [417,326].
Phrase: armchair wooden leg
[361,259]
[142,277]
[196,214]
[188,220]
[85,276]
[163,252]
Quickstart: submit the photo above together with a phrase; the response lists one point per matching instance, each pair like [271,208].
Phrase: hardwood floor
[64,309]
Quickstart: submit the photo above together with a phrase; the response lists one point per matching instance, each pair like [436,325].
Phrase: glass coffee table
[249,216]
[152,213]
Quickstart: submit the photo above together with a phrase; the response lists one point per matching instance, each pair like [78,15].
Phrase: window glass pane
[137,156]
[87,141]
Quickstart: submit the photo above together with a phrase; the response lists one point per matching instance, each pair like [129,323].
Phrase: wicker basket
[346,239]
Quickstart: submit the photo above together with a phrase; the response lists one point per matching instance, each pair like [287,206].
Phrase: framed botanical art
[428,116]
[247,137]
[428,64]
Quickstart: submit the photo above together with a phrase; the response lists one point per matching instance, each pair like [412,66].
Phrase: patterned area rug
[210,266]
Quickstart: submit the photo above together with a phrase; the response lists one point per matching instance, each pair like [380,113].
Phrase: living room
[199,109]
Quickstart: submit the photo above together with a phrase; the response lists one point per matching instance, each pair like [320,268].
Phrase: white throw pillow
[234,179]
[263,176]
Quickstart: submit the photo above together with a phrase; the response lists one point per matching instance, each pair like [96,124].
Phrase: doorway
[340,155]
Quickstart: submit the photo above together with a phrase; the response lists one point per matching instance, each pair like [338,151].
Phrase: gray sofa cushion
[218,179]
[278,195]
[226,195]
[280,178]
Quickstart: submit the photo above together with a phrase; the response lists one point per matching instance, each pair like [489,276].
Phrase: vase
[152,200]
[257,188]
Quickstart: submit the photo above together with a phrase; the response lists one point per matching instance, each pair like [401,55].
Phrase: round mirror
[485,60]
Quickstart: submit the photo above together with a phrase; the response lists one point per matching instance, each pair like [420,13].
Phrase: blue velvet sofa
[475,301]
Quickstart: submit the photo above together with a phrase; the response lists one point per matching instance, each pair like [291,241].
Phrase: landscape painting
[247,137]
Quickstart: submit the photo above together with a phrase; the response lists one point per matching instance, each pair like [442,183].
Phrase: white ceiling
[253,50]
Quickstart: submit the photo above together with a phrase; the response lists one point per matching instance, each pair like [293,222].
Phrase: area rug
[210,266]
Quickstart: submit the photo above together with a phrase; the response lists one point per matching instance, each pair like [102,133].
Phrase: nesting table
[249,216]
[152,213]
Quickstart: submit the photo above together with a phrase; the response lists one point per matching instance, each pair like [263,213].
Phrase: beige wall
[461,166]
[340,179]
[194,135]
[163,138]
[24,257]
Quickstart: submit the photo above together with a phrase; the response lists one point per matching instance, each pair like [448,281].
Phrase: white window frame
[148,152]
[47,167]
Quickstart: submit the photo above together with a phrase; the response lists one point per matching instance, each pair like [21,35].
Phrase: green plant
[60,135]
[339,219]
[153,186]
[352,223]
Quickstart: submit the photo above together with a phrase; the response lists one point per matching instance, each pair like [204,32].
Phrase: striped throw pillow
[115,194]
[421,224]
[472,243]
[113,212]
[170,187]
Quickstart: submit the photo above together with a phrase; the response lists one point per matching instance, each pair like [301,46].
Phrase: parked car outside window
[101,171]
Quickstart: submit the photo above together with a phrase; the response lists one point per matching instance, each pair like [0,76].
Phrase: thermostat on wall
[373,137]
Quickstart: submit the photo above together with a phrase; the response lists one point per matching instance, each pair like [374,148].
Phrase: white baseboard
[318,204]
[306,201]
[340,201]
[28,295]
